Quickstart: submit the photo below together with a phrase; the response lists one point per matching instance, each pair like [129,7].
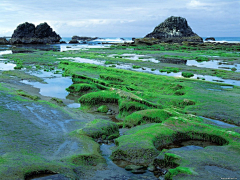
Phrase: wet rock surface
[27,33]
[174,29]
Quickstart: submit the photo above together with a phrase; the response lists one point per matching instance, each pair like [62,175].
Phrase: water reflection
[128,66]
[6,67]
[214,64]
[55,87]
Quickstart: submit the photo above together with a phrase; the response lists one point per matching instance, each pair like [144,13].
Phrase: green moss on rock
[140,144]
[79,87]
[127,107]
[109,77]
[24,94]
[146,116]
[99,97]
[103,109]
[100,127]
[187,74]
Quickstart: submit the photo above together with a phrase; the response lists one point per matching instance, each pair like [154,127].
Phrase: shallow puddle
[5,52]
[74,105]
[189,145]
[67,47]
[135,57]
[213,64]
[55,87]
[84,60]
[7,67]
[219,123]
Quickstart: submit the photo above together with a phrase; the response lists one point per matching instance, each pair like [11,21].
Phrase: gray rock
[133,167]
[27,33]
[174,29]
[109,113]
[74,41]
[210,39]
[3,41]
[151,168]
[139,171]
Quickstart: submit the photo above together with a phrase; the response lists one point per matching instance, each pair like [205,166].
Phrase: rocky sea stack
[27,33]
[174,29]
[3,41]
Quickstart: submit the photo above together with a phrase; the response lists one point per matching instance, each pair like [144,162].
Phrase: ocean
[129,39]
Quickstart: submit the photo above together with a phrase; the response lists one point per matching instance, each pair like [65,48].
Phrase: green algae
[95,98]
[98,128]
[146,116]
[179,170]
[78,88]
[127,107]
[188,94]
[24,94]
[103,109]
[145,142]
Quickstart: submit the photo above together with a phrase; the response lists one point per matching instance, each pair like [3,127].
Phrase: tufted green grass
[146,116]
[99,97]
[98,128]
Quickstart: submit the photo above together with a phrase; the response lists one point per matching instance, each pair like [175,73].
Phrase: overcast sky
[121,18]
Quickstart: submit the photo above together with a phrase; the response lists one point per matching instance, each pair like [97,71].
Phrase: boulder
[174,30]
[3,41]
[27,33]
[210,39]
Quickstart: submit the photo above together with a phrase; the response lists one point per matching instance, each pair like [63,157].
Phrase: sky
[121,18]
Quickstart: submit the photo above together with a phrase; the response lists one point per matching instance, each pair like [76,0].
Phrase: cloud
[120,18]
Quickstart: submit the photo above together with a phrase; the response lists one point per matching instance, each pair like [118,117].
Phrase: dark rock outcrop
[74,41]
[84,38]
[210,39]
[27,33]
[175,30]
[3,41]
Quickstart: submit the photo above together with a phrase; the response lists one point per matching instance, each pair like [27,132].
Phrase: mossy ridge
[99,128]
[170,91]
[179,170]
[24,94]
[99,97]
[158,135]
[169,70]
[146,116]
[127,107]
[91,151]
[135,80]
[28,163]
[78,88]
[111,77]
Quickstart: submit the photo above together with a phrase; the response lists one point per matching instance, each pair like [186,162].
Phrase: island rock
[174,30]
[27,33]
[3,41]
